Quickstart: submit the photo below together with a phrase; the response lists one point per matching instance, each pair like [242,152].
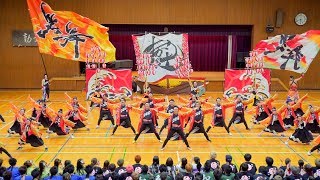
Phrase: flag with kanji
[289,52]
[67,34]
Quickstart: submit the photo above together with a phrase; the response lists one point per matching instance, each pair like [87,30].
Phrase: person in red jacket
[60,125]
[289,116]
[218,117]
[196,120]
[238,115]
[312,119]
[175,125]
[147,121]
[123,117]
[274,122]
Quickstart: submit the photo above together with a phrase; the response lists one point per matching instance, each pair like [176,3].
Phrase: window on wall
[208,44]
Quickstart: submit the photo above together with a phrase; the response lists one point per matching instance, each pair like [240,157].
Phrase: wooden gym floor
[100,144]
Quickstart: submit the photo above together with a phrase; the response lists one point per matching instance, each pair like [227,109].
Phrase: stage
[100,144]
[215,79]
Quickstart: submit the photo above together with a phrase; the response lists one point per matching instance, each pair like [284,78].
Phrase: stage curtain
[124,47]
[208,45]
[208,52]
[234,52]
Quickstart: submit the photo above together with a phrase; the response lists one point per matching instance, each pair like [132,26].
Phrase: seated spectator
[188,174]
[164,176]
[57,163]
[120,169]
[23,174]
[252,169]
[301,164]
[70,170]
[287,167]
[227,173]
[137,166]
[198,176]
[171,169]
[128,173]
[308,172]
[96,166]
[244,174]
[89,173]
[295,173]
[12,168]
[144,173]
[162,170]
[135,176]
[316,169]
[54,174]
[214,163]
[182,167]
[2,170]
[112,174]
[270,169]
[80,168]
[197,166]
[229,163]
[29,165]
[154,168]
[261,175]
[7,175]
[35,173]
[217,173]
[207,172]
[179,176]
[44,170]
[105,169]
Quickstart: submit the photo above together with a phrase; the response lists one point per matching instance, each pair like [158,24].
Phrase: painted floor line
[156,152]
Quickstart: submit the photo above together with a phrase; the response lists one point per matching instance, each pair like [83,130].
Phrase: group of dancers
[177,116]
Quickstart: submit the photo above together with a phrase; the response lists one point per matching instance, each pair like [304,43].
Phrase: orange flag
[69,35]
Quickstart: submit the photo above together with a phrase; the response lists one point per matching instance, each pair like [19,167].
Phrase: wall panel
[22,68]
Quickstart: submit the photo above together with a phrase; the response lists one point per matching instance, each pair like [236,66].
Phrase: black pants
[127,123]
[143,127]
[241,120]
[1,118]
[171,133]
[107,115]
[201,130]
[5,151]
[47,91]
[165,124]
[222,123]
[315,148]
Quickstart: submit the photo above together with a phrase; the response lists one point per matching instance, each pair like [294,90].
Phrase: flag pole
[44,65]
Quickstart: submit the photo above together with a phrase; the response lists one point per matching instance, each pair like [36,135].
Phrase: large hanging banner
[67,34]
[290,52]
[162,56]
[242,82]
[116,83]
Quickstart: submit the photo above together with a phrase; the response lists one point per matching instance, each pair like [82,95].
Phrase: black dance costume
[123,119]
[289,118]
[165,124]
[196,125]
[175,126]
[218,119]
[105,113]
[238,116]
[147,124]
[301,134]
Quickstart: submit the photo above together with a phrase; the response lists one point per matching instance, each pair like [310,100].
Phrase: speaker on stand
[240,59]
